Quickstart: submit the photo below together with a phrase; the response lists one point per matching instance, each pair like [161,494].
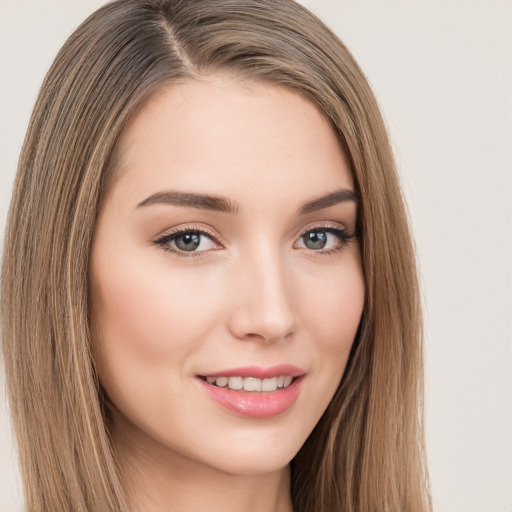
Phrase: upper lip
[259,372]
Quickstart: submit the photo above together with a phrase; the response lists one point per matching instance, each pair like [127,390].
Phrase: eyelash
[343,234]
[163,242]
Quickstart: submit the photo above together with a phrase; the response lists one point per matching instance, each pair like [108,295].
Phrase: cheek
[331,318]
[331,304]
[145,317]
[334,308]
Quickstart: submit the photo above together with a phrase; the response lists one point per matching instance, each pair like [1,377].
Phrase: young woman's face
[225,257]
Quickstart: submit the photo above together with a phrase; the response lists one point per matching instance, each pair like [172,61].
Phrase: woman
[221,285]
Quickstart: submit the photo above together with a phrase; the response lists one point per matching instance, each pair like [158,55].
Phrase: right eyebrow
[192,200]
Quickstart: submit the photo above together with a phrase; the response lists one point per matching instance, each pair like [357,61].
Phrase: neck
[159,479]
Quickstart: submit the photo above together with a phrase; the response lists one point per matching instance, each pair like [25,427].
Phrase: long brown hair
[367,451]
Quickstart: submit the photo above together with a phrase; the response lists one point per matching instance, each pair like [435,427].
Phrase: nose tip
[263,308]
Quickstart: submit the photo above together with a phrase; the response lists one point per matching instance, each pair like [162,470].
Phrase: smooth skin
[254,276]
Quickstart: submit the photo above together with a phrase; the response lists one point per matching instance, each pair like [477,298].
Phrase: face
[225,277]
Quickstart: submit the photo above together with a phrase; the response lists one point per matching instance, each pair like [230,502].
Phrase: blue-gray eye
[324,240]
[315,240]
[188,241]
[182,242]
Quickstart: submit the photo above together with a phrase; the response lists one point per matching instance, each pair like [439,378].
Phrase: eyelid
[186,228]
[344,235]
[338,229]
[163,238]
[337,226]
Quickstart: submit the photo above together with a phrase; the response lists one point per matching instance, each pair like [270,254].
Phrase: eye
[316,239]
[324,239]
[187,241]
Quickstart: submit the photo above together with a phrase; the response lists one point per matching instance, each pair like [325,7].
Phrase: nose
[262,302]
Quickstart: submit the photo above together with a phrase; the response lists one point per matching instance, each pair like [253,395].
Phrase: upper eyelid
[323,225]
[164,237]
[163,241]
[216,236]
[188,229]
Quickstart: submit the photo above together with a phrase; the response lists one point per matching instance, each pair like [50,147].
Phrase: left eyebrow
[340,196]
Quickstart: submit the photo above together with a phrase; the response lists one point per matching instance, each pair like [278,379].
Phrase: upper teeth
[250,383]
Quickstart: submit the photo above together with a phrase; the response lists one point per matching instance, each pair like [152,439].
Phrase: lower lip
[254,404]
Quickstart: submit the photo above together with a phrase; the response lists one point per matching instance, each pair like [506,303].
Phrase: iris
[315,239]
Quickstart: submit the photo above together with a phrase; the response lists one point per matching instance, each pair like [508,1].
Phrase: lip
[254,404]
[260,372]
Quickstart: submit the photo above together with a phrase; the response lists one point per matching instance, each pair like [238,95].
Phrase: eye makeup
[187,242]
[191,241]
[324,239]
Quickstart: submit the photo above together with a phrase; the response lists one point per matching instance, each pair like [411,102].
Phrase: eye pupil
[188,241]
[315,239]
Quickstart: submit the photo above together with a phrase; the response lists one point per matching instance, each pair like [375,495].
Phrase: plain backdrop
[442,71]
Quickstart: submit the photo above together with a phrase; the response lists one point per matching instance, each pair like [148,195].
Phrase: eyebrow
[225,205]
[188,199]
[340,196]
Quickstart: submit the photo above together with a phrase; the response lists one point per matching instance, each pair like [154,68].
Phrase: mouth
[255,392]
[250,384]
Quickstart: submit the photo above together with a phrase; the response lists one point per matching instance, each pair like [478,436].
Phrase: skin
[252,293]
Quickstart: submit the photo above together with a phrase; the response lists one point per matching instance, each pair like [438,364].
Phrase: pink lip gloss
[256,404]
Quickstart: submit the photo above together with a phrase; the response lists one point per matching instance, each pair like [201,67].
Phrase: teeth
[235,383]
[222,382]
[251,383]
[269,384]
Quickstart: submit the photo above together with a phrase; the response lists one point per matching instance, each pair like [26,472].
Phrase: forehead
[227,138]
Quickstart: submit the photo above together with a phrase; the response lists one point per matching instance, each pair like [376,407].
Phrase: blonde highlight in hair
[367,451]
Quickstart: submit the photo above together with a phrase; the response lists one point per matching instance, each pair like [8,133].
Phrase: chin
[254,464]
[257,454]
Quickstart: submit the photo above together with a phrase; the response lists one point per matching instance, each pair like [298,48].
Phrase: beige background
[443,73]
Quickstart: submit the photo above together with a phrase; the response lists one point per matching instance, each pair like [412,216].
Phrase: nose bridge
[263,303]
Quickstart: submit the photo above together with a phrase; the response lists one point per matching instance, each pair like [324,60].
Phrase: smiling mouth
[254,391]
[250,384]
